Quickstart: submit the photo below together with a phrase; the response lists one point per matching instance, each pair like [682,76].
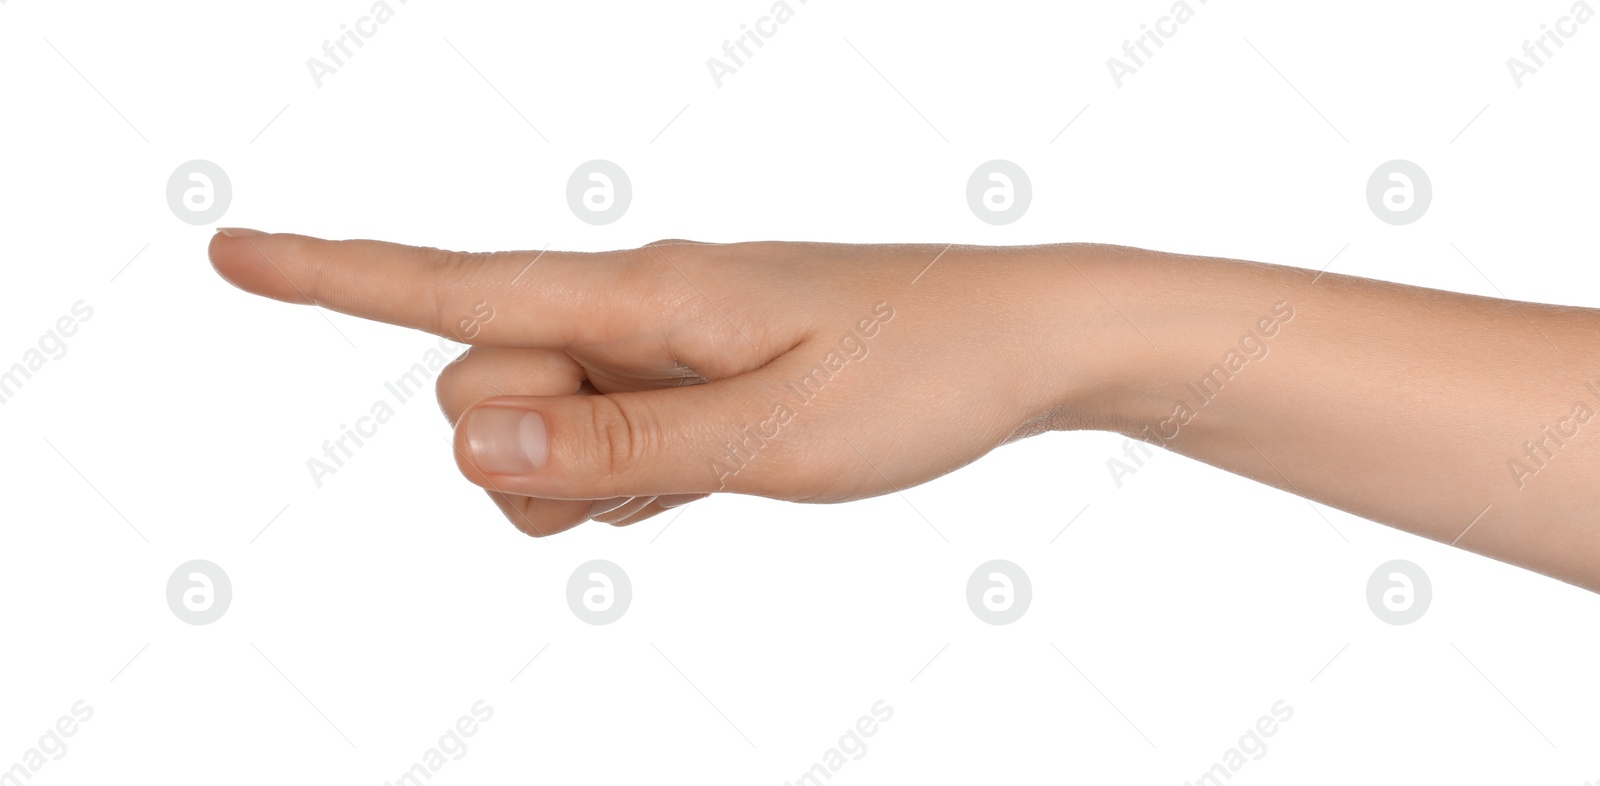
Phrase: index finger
[518,298]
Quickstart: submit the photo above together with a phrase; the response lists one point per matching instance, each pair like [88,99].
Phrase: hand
[616,385]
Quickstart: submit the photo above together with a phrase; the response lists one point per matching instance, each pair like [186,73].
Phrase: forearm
[1464,419]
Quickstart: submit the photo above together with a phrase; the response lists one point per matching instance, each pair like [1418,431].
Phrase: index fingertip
[238,257]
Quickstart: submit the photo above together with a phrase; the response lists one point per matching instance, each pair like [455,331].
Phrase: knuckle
[665,279]
[618,441]
[528,528]
[450,376]
[447,387]
[516,509]
[649,285]
[450,270]
[653,260]
[299,252]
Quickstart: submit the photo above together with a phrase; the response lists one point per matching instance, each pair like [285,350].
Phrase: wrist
[1090,344]
[1144,342]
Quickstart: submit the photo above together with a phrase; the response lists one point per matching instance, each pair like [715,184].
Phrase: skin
[1464,419]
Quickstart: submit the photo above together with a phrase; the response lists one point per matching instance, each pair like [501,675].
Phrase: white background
[373,612]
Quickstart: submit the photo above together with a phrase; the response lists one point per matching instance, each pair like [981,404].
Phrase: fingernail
[666,501]
[607,505]
[240,232]
[506,441]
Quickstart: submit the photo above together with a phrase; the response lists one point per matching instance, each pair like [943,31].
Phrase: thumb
[734,434]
